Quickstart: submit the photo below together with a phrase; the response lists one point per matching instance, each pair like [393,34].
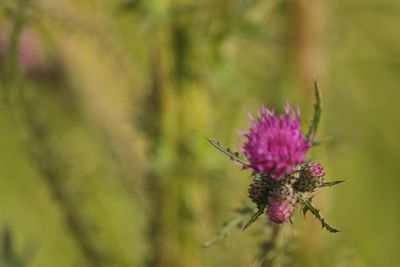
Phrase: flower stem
[271,247]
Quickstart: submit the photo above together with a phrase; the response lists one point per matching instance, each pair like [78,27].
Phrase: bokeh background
[105,106]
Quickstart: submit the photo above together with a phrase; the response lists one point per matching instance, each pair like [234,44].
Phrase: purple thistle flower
[275,144]
[279,211]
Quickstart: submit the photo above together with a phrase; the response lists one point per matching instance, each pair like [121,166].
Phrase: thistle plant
[283,177]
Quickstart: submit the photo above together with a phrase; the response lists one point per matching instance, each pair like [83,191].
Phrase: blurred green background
[105,106]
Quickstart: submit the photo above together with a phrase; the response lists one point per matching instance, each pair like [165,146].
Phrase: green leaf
[227,227]
[254,217]
[312,130]
[233,155]
[307,206]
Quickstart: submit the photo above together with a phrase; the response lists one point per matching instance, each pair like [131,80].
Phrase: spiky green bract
[307,206]
[233,155]
[255,216]
[329,184]
[312,130]
[260,189]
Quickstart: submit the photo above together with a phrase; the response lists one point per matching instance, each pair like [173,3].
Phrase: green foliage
[313,127]
[329,184]
[307,206]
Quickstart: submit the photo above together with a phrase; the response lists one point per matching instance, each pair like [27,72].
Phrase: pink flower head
[29,50]
[316,170]
[275,144]
[279,211]
[29,54]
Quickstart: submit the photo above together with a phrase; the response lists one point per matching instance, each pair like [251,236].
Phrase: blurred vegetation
[105,106]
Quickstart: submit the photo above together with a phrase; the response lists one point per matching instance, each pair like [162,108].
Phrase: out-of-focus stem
[153,180]
[271,248]
[44,156]
[308,24]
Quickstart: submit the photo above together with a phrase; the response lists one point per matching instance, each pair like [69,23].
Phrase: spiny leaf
[254,217]
[312,130]
[233,155]
[307,206]
[227,227]
[333,183]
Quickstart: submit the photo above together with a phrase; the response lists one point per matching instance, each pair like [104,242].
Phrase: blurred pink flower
[29,54]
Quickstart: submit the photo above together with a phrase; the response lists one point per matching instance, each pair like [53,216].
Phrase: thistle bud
[279,211]
[282,192]
[292,177]
[316,170]
[311,177]
[259,191]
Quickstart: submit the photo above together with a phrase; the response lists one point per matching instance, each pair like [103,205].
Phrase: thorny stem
[271,247]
